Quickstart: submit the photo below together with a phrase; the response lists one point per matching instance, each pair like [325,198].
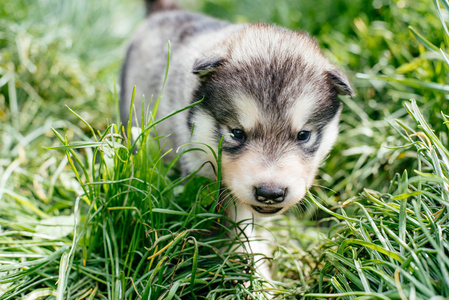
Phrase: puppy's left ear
[340,82]
[206,65]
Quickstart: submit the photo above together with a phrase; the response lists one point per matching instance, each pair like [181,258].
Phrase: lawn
[84,215]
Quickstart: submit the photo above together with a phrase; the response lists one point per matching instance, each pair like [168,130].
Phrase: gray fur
[268,81]
[145,65]
[153,6]
[211,58]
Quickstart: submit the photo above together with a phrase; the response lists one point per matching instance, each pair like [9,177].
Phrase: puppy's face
[278,114]
[271,157]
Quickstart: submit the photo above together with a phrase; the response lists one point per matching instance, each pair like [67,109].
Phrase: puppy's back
[146,57]
[153,6]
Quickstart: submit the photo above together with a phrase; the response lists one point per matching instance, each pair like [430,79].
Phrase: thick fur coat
[268,90]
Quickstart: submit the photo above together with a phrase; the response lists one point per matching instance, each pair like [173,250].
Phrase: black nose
[270,195]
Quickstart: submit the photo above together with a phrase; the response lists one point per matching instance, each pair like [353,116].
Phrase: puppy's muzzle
[270,195]
[270,199]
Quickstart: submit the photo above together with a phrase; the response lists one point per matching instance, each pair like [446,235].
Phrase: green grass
[82,216]
[394,246]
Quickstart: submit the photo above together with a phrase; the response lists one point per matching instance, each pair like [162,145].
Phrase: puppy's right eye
[238,135]
[303,136]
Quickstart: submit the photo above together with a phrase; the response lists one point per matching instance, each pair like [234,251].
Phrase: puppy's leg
[258,248]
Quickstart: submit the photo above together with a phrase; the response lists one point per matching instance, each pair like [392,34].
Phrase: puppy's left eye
[238,135]
[303,136]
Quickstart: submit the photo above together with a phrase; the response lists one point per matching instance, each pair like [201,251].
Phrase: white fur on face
[302,109]
[249,113]
[244,174]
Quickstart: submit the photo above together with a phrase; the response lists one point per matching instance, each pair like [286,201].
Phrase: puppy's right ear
[206,65]
[340,83]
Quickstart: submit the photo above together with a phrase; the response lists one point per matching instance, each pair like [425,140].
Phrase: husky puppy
[267,90]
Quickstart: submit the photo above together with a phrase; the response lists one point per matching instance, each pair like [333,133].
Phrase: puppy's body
[269,91]
[145,67]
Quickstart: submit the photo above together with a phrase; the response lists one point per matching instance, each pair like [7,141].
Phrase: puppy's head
[274,98]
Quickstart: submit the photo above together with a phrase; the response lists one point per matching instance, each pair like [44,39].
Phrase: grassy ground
[82,217]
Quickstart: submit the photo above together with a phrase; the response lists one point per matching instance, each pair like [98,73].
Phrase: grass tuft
[393,245]
[140,235]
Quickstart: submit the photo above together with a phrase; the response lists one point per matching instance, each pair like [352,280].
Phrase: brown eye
[303,136]
[238,135]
